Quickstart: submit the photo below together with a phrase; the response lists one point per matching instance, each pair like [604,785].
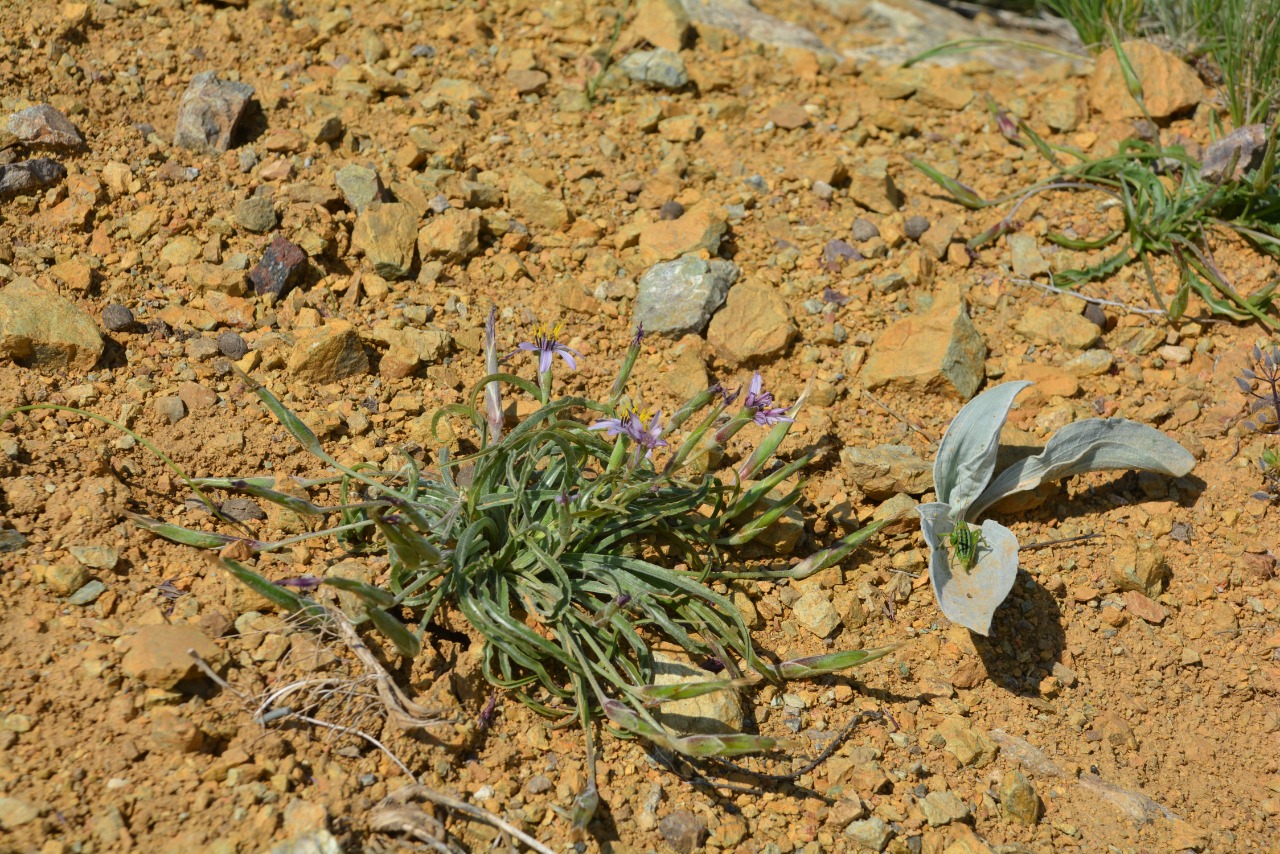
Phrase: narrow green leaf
[733,744]
[281,596]
[832,662]
[375,596]
[656,695]
[962,194]
[186,536]
[397,632]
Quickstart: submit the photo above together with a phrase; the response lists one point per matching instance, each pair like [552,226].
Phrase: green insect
[966,539]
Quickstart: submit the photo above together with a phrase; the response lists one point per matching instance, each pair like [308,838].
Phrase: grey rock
[915,227]
[679,297]
[748,22]
[870,833]
[886,470]
[88,594]
[117,318]
[1245,145]
[659,67]
[941,808]
[256,214]
[671,210]
[360,186]
[170,408]
[209,112]
[683,831]
[27,176]
[231,345]
[43,330]
[864,230]
[96,557]
[1026,258]
[710,714]
[45,126]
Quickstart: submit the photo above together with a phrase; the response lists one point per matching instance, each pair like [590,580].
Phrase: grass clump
[568,546]
[1170,210]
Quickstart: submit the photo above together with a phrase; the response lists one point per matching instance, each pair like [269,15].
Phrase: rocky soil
[330,196]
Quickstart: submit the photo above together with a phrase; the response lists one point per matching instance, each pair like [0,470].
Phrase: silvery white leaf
[1098,444]
[967,456]
[969,597]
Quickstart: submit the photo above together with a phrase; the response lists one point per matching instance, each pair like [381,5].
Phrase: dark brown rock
[27,176]
[44,126]
[281,266]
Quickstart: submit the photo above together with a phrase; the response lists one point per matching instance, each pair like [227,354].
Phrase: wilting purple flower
[304,582]
[486,714]
[761,403]
[544,343]
[631,424]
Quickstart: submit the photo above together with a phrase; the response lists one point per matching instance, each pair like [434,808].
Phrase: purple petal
[756,382]
[544,361]
[567,355]
[525,345]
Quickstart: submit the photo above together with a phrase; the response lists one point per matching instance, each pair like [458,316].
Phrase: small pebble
[117,318]
[671,210]
[88,594]
[823,190]
[231,345]
[915,227]
[1095,315]
[864,230]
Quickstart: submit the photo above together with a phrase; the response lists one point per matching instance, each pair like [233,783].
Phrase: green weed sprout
[569,551]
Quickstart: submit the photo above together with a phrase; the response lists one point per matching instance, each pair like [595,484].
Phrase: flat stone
[27,176]
[387,233]
[256,214]
[96,557]
[1169,85]
[966,743]
[1091,363]
[1244,145]
[702,227]
[66,578]
[678,297]
[42,125]
[871,186]
[659,68]
[871,833]
[1061,108]
[535,205]
[941,808]
[789,116]
[1018,799]
[1057,327]
[328,354]
[170,408]
[710,714]
[209,113]
[816,614]
[944,89]
[88,594]
[196,396]
[451,237]
[939,350]
[1141,605]
[886,470]
[360,186]
[527,80]
[754,325]
[281,266]
[158,655]
[1026,258]
[41,329]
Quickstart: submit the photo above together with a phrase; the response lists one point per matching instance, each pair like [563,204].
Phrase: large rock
[939,350]
[679,297]
[660,68]
[159,655]
[27,176]
[328,354]
[703,226]
[451,237]
[886,470]
[45,126]
[755,324]
[42,330]
[710,714]
[1169,85]
[386,232]
[209,112]
[360,186]
[662,23]
[536,205]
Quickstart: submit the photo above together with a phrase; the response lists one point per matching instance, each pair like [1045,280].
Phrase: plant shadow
[1027,638]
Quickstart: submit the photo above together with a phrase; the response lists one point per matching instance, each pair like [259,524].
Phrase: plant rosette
[971,588]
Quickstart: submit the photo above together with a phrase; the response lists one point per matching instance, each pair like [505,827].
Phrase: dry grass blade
[413,822]
[408,793]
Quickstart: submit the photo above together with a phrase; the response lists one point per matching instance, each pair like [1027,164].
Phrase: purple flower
[544,343]
[304,582]
[631,424]
[761,403]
